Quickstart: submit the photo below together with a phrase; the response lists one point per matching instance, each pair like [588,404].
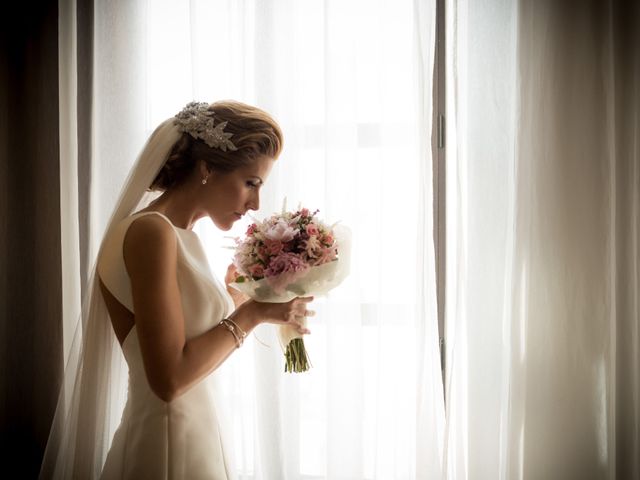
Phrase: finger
[304,299]
[303,330]
[301,311]
[296,301]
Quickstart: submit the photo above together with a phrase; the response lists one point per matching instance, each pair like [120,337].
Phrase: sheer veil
[91,398]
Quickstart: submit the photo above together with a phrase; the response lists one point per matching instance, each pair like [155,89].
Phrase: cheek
[228,193]
[241,194]
[233,198]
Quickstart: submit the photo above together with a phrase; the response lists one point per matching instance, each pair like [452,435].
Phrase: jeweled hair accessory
[197,120]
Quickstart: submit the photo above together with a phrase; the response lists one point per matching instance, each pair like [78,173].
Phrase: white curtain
[350,83]
[542,224]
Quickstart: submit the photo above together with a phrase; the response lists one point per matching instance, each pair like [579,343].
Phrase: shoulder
[149,238]
[149,227]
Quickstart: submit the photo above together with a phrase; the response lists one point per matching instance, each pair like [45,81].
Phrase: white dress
[181,439]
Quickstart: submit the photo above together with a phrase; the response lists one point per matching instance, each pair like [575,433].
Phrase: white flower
[281,230]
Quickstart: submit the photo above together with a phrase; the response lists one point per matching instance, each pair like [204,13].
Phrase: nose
[254,201]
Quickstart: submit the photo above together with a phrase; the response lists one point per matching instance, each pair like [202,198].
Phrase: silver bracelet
[235,330]
[238,330]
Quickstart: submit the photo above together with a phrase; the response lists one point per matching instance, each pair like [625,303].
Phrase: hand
[292,313]
[238,297]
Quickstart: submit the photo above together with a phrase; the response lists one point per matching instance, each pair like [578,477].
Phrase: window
[340,80]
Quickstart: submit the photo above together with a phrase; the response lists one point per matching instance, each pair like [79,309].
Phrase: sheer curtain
[350,83]
[543,217]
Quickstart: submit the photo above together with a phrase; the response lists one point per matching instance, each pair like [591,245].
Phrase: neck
[178,205]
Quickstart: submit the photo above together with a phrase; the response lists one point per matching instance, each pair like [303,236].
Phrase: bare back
[122,319]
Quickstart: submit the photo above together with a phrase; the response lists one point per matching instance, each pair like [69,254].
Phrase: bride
[152,295]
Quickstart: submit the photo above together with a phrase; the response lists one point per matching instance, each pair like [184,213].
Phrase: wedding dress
[181,439]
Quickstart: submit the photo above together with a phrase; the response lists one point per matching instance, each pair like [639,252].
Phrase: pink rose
[312,229]
[256,271]
[274,247]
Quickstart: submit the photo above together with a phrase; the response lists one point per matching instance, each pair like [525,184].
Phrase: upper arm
[150,254]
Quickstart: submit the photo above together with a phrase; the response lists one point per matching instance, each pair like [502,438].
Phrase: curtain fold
[83,58]
[625,406]
[542,305]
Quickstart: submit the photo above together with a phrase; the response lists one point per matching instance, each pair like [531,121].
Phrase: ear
[204,169]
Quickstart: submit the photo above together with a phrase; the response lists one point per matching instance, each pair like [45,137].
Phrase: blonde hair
[255,135]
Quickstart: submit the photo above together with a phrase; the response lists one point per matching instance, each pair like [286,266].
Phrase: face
[228,196]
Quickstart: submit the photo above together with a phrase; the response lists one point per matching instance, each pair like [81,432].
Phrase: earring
[204,181]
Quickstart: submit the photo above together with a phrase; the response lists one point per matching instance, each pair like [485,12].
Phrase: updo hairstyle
[255,134]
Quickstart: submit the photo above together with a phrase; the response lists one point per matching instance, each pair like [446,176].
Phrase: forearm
[203,354]
[180,363]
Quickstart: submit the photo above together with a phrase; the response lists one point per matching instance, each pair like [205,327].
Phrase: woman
[174,322]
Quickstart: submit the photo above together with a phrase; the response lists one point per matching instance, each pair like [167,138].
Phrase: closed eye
[253,184]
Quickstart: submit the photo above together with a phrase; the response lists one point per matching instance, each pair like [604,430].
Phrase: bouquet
[288,255]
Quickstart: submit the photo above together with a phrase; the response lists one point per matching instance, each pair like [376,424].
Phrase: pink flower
[256,271]
[274,247]
[328,239]
[312,229]
[285,262]
[252,228]
[285,269]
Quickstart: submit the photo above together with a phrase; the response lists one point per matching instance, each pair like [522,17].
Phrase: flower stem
[296,357]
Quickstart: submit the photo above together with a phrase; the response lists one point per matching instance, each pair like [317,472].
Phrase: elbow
[165,389]
[166,396]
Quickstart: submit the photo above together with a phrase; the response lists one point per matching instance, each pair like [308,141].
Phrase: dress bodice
[181,438]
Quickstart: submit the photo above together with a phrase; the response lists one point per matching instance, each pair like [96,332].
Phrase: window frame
[438,150]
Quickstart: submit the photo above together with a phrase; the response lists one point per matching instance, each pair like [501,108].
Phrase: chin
[225,227]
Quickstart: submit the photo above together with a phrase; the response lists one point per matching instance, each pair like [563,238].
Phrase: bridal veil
[95,378]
